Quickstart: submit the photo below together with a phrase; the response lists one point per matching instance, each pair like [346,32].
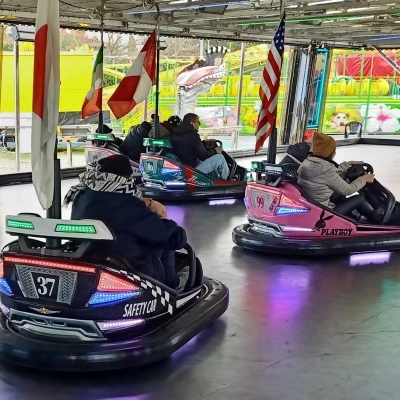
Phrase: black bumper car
[67,308]
[165,178]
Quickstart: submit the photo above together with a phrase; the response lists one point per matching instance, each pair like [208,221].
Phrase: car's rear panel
[71,300]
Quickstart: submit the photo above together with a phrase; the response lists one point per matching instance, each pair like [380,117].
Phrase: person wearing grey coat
[322,181]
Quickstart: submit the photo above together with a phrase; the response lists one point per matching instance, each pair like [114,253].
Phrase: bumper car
[282,220]
[166,178]
[70,309]
[102,145]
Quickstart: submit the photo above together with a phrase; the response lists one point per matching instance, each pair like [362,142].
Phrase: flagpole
[101,116]
[273,139]
[156,105]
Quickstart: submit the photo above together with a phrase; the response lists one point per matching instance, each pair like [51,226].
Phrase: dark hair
[106,129]
[117,165]
[190,118]
[174,120]
[146,126]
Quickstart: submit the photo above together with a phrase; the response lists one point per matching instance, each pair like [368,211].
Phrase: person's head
[192,119]
[323,146]
[106,129]
[174,120]
[146,126]
[117,165]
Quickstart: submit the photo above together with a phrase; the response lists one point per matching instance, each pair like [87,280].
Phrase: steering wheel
[218,143]
[357,170]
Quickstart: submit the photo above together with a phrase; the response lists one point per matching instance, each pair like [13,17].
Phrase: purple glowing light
[221,202]
[370,258]
[111,325]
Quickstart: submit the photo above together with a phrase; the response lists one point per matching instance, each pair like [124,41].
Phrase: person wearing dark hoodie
[166,128]
[296,154]
[190,150]
[321,179]
[145,240]
[132,146]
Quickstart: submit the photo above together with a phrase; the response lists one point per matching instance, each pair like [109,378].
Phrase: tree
[181,48]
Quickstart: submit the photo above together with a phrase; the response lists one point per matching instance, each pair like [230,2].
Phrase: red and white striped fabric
[269,87]
[46,96]
[93,102]
[137,83]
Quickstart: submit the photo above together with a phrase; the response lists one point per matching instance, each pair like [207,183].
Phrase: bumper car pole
[55,210]
[156,104]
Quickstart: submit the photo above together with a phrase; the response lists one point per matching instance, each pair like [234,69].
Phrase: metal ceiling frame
[332,23]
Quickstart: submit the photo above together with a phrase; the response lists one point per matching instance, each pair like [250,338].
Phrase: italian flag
[46,97]
[93,103]
[137,83]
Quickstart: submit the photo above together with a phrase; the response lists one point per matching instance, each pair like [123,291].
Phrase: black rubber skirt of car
[242,236]
[157,345]
[218,193]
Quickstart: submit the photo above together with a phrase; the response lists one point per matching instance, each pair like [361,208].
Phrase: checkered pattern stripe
[156,291]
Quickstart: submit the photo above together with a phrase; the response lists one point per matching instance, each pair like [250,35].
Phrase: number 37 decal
[46,286]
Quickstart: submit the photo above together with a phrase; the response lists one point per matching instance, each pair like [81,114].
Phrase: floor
[296,329]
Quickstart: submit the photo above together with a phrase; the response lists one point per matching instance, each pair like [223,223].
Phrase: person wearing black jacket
[132,146]
[190,150]
[296,154]
[143,239]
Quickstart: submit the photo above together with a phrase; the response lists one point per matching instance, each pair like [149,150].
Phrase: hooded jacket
[296,154]
[166,130]
[133,143]
[188,146]
[319,178]
[141,235]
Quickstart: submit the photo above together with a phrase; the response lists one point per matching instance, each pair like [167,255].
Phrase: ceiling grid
[333,22]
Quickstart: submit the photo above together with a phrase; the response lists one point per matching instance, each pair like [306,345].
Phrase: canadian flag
[137,83]
[93,102]
[46,97]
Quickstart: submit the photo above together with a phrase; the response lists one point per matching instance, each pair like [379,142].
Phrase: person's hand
[356,162]
[369,178]
[219,149]
[159,209]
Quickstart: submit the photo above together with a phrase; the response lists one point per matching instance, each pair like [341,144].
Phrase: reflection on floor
[325,329]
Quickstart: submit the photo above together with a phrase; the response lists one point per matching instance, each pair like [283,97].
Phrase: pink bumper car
[282,220]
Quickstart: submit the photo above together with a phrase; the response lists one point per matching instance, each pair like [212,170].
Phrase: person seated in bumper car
[296,154]
[143,238]
[190,150]
[132,146]
[166,127]
[322,180]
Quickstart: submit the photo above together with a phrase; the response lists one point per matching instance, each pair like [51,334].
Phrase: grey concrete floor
[296,329]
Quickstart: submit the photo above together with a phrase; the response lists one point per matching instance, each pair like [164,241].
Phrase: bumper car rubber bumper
[243,237]
[155,346]
[223,192]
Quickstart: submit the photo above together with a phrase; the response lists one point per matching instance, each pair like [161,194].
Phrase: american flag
[269,87]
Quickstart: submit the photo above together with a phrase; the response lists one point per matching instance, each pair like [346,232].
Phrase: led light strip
[51,264]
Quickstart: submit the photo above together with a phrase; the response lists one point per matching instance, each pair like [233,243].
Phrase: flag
[136,85]
[269,87]
[46,96]
[93,102]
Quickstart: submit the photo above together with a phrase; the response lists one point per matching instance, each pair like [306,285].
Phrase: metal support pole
[156,106]
[145,108]
[201,52]
[55,210]
[273,139]
[17,107]
[235,134]
[101,116]
[325,88]
[69,153]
